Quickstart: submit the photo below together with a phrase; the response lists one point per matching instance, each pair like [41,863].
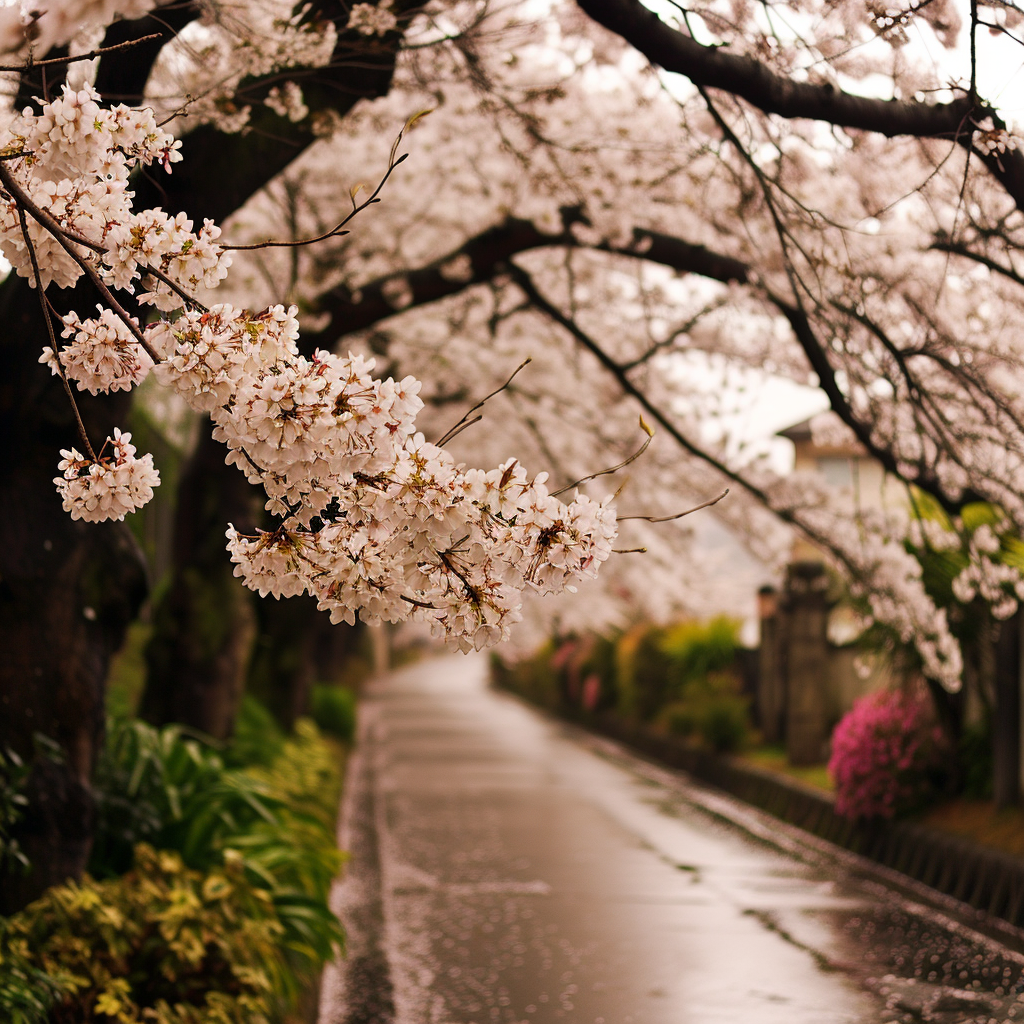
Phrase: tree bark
[68,591]
[204,625]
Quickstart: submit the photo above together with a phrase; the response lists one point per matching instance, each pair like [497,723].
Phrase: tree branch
[716,68]
[491,250]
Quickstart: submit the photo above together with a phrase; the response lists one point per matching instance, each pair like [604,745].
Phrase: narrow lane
[504,871]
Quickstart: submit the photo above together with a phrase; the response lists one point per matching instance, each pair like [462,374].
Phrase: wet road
[507,869]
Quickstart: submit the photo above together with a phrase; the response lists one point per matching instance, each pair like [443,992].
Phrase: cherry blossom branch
[525,283]
[716,67]
[489,250]
[803,329]
[53,226]
[678,515]
[31,64]
[393,161]
[613,469]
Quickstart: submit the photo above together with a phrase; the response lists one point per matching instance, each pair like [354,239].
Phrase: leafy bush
[535,678]
[13,777]
[258,738]
[712,710]
[168,790]
[697,650]
[27,993]
[162,944]
[334,711]
[643,667]
[656,665]
[886,754]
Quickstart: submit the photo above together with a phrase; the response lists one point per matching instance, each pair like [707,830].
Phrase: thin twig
[54,347]
[465,422]
[678,515]
[336,230]
[614,469]
[83,56]
[459,428]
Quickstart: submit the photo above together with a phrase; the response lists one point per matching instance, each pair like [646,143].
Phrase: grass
[773,759]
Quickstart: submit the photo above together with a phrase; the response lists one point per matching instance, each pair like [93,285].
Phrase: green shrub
[165,789]
[258,738]
[13,777]
[534,678]
[712,711]
[162,944]
[27,993]
[334,711]
[695,650]
[643,668]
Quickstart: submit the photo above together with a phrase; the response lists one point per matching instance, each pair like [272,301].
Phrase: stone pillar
[807,662]
[1006,744]
[770,698]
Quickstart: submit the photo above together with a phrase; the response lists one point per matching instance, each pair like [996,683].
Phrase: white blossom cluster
[375,520]
[104,355]
[287,101]
[75,165]
[988,576]
[109,487]
[370,19]
[433,541]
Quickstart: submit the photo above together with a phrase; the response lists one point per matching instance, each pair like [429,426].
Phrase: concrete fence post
[770,703]
[807,662]
[1006,728]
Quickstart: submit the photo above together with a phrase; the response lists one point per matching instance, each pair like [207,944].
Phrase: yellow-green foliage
[222,925]
[305,774]
[645,672]
[162,944]
[696,650]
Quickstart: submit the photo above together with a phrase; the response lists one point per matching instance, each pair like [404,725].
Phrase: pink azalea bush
[884,751]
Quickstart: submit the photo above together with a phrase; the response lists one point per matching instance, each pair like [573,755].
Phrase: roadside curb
[357,987]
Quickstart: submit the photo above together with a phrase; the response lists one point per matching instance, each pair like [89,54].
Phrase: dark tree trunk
[283,667]
[204,625]
[296,647]
[68,591]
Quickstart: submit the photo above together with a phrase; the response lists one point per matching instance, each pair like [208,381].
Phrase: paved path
[505,869]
